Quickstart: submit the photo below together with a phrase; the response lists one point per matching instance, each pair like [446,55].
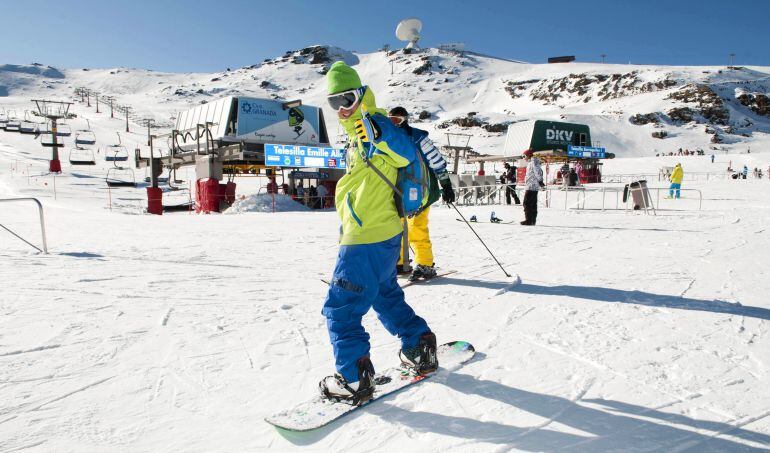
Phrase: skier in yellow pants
[419,237]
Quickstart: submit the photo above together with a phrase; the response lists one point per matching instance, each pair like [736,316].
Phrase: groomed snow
[628,332]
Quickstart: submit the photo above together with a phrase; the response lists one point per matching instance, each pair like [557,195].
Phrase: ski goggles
[345,99]
[397,120]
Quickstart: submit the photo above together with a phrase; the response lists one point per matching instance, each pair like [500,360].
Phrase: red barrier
[155,200]
[207,195]
[54,166]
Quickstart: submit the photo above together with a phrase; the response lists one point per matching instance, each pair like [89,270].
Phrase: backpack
[412,183]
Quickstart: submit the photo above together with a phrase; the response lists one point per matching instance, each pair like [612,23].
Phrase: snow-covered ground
[629,332]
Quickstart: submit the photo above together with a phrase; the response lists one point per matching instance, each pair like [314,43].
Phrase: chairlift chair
[85,138]
[62,130]
[116,153]
[28,127]
[120,177]
[82,156]
[13,125]
[3,120]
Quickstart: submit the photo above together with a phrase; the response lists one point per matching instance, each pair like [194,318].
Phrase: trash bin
[639,194]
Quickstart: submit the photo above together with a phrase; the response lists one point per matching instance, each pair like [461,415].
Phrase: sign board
[304,156]
[267,120]
[586,152]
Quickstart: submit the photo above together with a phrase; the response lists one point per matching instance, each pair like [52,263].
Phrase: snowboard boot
[422,359]
[494,219]
[473,219]
[336,388]
[424,272]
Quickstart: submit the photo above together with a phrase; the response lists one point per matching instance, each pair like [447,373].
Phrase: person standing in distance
[510,183]
[533,181]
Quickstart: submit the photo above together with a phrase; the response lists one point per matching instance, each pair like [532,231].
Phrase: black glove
[542,184]
[447,192]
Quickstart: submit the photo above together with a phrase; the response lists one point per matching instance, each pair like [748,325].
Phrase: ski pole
[481,240]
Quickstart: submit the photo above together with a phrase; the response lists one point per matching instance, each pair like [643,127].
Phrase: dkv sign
[557,135]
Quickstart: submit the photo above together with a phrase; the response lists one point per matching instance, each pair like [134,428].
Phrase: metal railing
[42,222]
[580,192]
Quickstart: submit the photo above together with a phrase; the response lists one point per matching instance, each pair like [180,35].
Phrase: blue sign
[304,156]
[586,152]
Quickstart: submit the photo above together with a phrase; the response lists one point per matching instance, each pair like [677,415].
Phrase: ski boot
[421,359]
[473,219]
[336,388]
[424,272]
[494,219]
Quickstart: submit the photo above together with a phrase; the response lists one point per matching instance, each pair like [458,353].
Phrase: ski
[498,223]
[419,281]
[410,283]
[320,411]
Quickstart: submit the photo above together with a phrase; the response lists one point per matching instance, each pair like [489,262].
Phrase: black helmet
[398,111]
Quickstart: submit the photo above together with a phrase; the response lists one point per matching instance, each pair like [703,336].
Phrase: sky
[209,36]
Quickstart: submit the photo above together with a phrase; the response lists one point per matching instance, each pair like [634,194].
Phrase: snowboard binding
[494,219]
[336,388]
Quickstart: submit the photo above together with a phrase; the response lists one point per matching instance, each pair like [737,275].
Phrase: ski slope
[628,332]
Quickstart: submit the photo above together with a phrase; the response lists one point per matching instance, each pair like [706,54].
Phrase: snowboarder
[419,236]
[533,181]
[745,171]
[676,181]
[365,272]
[712,158]
[510,184]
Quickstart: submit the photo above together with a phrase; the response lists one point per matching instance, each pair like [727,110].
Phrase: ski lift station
[553,142]
[250,136]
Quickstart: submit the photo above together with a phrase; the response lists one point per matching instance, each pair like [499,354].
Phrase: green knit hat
[342,77]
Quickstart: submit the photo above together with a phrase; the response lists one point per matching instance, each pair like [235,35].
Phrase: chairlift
[3,120]
[46,139]
[85,138]
[82,156]
[28,127]
[116,153]
[62,130]
[120,177]
[13,125]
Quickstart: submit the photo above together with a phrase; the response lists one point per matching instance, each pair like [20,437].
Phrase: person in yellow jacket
[676,181]
[370,242]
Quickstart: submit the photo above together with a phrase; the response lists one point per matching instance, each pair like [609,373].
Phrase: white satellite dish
[409,30]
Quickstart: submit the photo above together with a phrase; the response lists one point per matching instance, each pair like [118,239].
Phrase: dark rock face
[659,134]
[681,114]
[757,103]
[709,104]
[423,115]
[642,119]
[585,87]
[471,120]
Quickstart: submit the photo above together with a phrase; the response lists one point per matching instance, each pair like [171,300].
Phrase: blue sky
[193,35]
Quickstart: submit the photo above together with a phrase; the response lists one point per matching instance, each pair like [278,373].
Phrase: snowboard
[320,411]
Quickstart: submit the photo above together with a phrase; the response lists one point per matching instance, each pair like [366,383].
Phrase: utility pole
[110,100]
[127,110]
[97,101]
[603,55]
[149,123]
[88,97]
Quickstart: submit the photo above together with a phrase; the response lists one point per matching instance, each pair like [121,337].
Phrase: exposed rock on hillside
[709,104]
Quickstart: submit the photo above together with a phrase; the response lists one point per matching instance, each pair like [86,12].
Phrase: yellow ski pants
[419,239]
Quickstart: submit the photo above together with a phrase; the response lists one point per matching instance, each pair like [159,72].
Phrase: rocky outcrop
[757,103]
[709,104]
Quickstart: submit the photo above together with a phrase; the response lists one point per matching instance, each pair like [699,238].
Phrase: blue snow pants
[674,187]
[365,277]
